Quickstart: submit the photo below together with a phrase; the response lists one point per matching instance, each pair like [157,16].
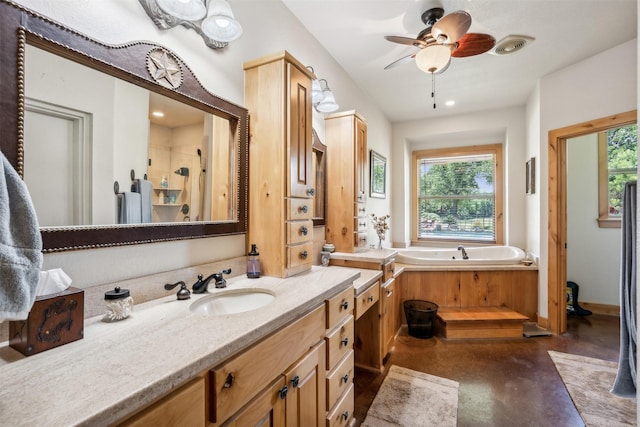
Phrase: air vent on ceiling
[511,44]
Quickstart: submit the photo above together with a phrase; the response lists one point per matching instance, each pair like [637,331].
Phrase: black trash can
[421,317]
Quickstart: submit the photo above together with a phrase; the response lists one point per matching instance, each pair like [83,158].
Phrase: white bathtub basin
[233,301]
[485,255]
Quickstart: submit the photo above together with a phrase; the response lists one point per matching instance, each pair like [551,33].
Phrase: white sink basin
[233,301]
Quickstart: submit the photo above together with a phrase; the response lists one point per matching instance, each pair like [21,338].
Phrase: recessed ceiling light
[157,114]
[450,103]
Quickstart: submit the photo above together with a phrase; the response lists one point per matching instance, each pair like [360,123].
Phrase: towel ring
[116,187]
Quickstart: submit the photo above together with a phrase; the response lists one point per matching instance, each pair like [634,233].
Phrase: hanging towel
[145,188]
[129,208]
[625,382]
[20,246]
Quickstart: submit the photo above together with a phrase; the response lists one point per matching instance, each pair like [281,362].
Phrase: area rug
[589,383]
[410,399]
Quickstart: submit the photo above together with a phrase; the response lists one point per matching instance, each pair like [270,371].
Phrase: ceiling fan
[444,37]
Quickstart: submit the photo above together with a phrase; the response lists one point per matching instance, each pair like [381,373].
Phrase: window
[617,164]
[458,194]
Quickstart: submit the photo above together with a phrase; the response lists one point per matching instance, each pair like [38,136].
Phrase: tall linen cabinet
[346,221]
[278,97]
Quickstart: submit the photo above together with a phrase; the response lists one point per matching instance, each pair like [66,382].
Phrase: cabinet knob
[283,392]
[304,254]
[389,293]
[304,230]
[345,415]
[362,224]
[345,379]
[370,298]
[303,209]
[363,239]
[229,381]
[361,209]
[295,381]
[345,341]
[345,305]
[311,192]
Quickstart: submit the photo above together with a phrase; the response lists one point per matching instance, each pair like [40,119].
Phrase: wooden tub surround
[491,302]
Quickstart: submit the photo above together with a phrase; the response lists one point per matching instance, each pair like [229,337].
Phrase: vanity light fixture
[217,27]
[322,97]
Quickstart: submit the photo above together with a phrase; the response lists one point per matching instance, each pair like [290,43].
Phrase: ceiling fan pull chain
[433,89]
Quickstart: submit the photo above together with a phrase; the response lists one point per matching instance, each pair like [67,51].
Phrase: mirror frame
[20,26]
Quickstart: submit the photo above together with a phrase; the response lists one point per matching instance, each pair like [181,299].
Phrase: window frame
[604,219]
[494,149]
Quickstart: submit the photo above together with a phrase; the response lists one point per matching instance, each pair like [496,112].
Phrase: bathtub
[479,255]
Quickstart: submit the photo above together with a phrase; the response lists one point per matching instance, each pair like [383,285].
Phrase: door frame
[557,231]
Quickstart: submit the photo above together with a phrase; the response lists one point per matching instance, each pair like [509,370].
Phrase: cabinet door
[299,133]
[361,159]
[389,315]
[306,395]
[267,409]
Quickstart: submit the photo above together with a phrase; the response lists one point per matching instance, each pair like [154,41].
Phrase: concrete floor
[503,382]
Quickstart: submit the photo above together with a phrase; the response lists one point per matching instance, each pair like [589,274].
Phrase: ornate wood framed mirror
[140,71]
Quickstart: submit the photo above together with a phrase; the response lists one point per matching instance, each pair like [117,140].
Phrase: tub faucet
[464,253]
[200,287]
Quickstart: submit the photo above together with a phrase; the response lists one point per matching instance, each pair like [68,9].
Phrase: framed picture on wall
[378,166]
[531,176]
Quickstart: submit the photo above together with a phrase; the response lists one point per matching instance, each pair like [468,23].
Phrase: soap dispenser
[253,263]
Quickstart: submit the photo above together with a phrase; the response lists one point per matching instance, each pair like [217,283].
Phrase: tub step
[480,322]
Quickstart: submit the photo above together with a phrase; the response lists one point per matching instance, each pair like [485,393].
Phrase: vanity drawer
[360,240]
[387,270]
[298,255]
[299,209]
[360,211]
[343,412]
[339,341]
[299,231]
[367,299]
[360,225]
[235,382]
[339,378]
[339,307]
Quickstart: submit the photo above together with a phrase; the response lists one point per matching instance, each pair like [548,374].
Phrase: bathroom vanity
[167,363]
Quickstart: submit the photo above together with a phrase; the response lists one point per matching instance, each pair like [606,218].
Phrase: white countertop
[366,279]
[462,267]
[381,256]
[120,367]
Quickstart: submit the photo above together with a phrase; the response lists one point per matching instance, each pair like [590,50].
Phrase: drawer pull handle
[362,224]
[361,209]
[370,298]
[345,378]
[304,254]
[295,381]
[311,192]
[304,230]
[283,392]
[389,293]
[363,239]
[345,305]
[303,209]
[345,341]
[229,381]
[345,415]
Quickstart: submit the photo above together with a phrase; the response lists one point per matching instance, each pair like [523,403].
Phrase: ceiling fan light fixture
[434,59]
[452,27]
[188,10]
[220,24]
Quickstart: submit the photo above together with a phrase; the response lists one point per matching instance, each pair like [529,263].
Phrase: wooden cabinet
[306,389]
[389,319]
[266,409]
[346,222]
[278,97]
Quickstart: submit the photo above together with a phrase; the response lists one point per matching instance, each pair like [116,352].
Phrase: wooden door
[267,409]
[389,315]
[306,384]
[299,133]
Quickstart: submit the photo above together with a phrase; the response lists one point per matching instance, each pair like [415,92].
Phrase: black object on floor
[572,300]
[421,318]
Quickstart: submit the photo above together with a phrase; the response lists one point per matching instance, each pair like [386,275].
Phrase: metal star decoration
[164,68]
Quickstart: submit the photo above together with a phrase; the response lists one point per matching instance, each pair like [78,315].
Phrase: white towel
[20,246]
[129,208]
[145,188]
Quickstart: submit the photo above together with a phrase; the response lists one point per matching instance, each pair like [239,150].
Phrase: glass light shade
[317,94]
[434,59]
[220,23]
[328,104]
[188,10]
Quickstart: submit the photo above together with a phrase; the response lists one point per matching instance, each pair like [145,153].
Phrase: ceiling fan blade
[401,61]
[406,40]
[473,44]
[451,27]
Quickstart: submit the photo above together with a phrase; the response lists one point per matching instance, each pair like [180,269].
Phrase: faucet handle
[220,282]
[183,293]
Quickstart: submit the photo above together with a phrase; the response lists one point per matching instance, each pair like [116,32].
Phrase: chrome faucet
[464,253]
[200,287]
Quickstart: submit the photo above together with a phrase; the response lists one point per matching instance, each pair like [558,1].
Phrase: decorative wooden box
[54,320]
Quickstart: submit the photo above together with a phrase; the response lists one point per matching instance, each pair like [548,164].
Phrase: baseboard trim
[605,309]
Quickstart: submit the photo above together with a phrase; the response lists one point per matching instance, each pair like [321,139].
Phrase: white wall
[505,126]
[593,253]
[268,27]
[599,86]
